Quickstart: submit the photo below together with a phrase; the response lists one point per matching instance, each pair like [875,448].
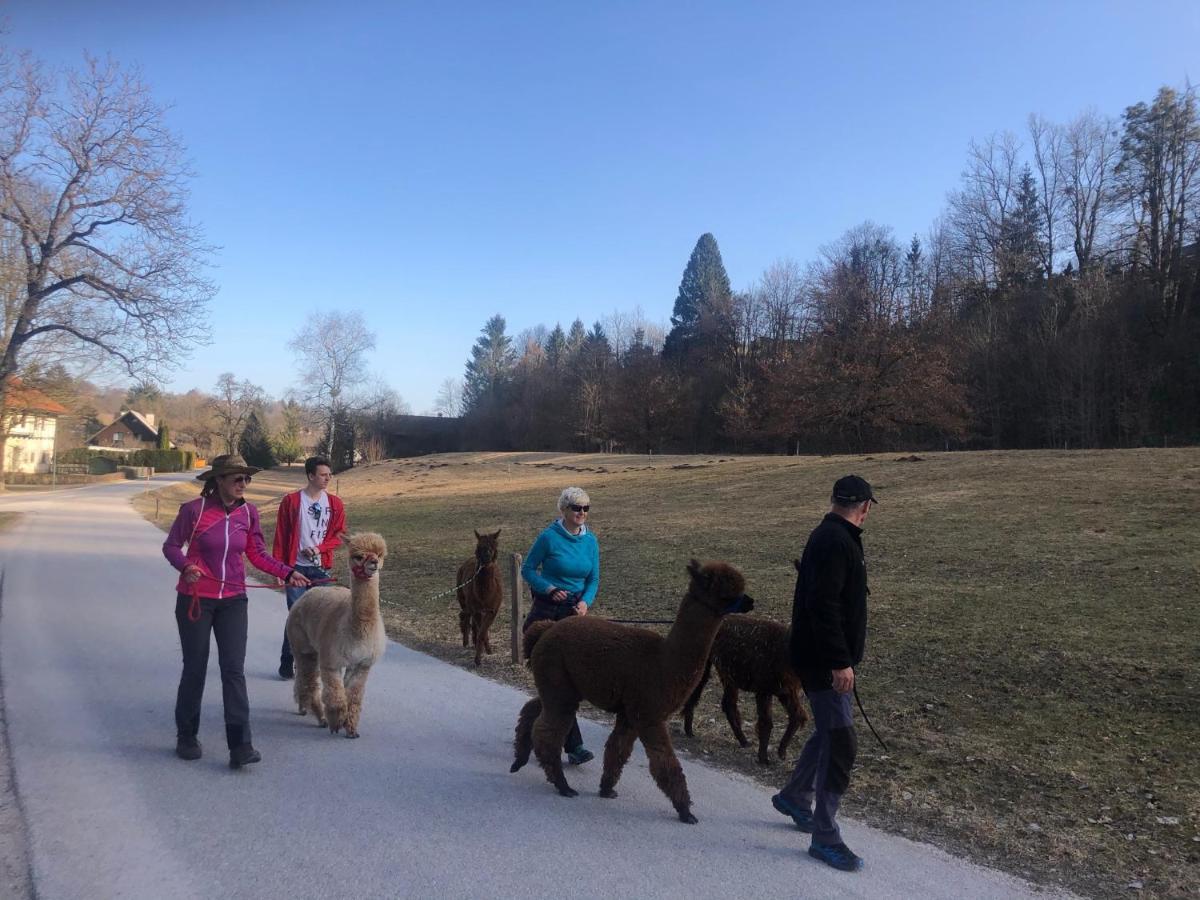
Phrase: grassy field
[1034,639]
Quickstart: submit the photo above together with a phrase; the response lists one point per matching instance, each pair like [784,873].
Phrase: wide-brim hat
[228,464]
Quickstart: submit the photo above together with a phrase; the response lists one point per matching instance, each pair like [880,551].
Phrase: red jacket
[287,536]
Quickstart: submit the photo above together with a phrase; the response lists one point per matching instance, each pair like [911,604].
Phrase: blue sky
[431,164]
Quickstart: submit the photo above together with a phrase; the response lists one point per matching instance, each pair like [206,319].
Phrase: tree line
[1054,303]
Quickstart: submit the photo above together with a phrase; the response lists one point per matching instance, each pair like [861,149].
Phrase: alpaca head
[367,552]
[719,586]
[486,548]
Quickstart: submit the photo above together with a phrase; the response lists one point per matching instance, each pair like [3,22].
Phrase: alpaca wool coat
[215,541]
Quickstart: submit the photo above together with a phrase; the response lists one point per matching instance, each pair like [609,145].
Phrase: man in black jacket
[829,631]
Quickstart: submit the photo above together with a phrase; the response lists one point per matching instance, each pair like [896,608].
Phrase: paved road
[421,806]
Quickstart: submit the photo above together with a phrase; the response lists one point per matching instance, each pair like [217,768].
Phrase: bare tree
[1049,165]
[1090,155]
[449,398]
[92,192]
[232,404]
[979,211]
[332,347]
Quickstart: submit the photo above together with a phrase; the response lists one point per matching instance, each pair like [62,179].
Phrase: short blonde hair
[573,496]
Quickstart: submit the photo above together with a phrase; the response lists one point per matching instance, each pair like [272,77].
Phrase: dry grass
[1033,650]
[8,520]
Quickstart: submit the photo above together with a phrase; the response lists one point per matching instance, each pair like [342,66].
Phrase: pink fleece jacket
[215,541]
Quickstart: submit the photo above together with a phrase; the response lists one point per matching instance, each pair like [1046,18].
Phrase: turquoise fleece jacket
[567,561]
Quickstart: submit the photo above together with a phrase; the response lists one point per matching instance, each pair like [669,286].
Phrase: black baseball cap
[852,489]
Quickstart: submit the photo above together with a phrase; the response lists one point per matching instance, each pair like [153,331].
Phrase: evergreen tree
[255,444]
[1021,247]
[575,337]
[286,443]
[704,292]
[556,348]
[490,366]
[164,437]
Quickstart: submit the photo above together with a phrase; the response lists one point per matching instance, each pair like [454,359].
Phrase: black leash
[868,721]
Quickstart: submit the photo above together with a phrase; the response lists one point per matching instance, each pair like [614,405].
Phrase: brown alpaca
[641,676]
[752,655]
[479,594]
[338,632]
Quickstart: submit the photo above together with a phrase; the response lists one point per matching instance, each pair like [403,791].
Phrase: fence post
[515,607]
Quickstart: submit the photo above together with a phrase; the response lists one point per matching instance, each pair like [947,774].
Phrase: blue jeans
[822,772]
[312,573]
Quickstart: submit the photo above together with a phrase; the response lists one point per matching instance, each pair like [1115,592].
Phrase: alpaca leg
[796,716]
[523,741]
[487,617]
[763,726]
[616,753]
[307,689]
[333,694]
[548,733]
[729,705]
[665,768]
[356,686]
[464,619]
[689,708]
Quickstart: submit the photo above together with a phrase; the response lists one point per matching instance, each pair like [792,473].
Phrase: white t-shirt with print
[314,522]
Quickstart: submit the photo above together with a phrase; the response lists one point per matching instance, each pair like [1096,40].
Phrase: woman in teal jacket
[563,572]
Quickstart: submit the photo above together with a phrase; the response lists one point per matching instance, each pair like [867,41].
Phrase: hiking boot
[802,817]
[243,755]
[187,747]
[287,670]
[580,755]
[837,855]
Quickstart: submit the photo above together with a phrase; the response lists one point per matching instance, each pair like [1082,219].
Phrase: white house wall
[30,443]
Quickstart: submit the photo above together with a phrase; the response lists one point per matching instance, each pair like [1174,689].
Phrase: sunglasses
[577,508]
[240,479]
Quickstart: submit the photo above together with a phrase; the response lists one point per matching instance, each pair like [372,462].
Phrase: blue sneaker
[802,817]
[580,755]
[837,855]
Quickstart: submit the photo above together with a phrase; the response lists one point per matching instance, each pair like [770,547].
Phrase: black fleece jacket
[829,612]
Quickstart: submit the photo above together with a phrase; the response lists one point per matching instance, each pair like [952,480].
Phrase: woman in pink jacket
[205,544]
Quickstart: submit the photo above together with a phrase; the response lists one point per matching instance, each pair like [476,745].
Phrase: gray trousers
[822,772]
[227,620]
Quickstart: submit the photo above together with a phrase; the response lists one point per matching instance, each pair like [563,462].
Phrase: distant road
[421,806]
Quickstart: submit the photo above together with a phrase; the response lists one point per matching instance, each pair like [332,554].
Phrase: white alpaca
[339,632]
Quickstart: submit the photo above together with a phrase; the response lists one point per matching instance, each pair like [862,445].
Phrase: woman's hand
[192,574]
[558,595]
[581,608]
[297,580]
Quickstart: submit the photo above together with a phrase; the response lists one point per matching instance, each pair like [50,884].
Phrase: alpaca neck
[688,644]
[364,604]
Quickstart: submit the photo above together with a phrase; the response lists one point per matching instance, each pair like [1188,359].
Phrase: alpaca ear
[497,534]
[796,563]
[693,568]
[477,534]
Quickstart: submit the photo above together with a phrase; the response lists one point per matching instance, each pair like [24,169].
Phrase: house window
[118,437]
[39,423]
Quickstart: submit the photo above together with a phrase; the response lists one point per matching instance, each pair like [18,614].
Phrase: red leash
[193,612]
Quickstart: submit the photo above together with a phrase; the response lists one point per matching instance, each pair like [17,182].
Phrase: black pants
[547,610]
[227,620]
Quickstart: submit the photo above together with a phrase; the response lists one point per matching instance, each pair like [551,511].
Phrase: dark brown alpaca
[480,594]
[752,655]
[641,676]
